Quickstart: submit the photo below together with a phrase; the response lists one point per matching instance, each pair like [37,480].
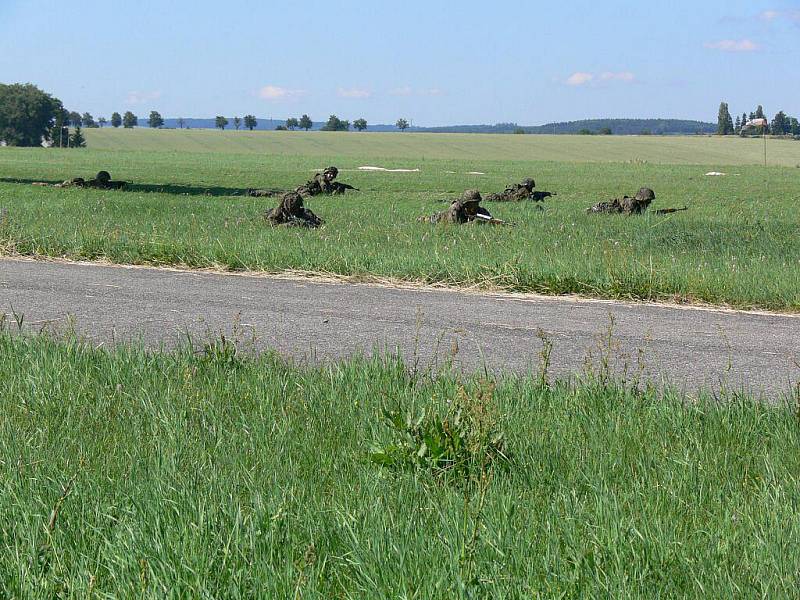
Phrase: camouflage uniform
[291,213]
[516,192]
[263,193]
[627,205]
[324,183]
[321,183]
[464,210]
[75,182]
[102,181]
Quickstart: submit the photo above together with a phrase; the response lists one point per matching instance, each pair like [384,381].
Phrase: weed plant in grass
[737,244]
[213,474]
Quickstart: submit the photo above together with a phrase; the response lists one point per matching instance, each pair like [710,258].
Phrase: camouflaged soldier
[266,193]
[291,213]
[466,209]
[102,181]
[74,182]
[516,192]
[324,183]
[627,205]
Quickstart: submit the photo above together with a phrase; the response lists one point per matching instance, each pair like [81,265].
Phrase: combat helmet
[471,197]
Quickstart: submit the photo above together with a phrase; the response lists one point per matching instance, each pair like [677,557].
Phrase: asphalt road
[693,349]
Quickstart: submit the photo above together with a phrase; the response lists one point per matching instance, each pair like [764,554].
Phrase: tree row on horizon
[755,123]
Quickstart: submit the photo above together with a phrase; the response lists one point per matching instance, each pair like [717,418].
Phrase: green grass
[238,477]
[700,150]
[736,245]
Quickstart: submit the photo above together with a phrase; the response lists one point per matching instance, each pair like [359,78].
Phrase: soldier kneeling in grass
[466,209]
[291,213]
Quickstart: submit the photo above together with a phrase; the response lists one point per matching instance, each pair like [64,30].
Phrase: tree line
[756,123]
[334,123]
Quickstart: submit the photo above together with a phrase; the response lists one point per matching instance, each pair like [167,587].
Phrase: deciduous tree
[305,122]
[130,120]
[116,119]
[360,124]
[155,120]
[27,115]
[221,122]
[292,123]
[250,122]
[402,124]
[336,124]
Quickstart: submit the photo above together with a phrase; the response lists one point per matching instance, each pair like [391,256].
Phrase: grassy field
[696,150]
[211,475]
[737,244]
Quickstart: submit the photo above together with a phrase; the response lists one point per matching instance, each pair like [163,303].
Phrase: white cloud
[401,91]
[584,78]
[409,91]
[142,97]
[733,45]
[625,76]
[275,93]
[580,78]
[776,15]
[353,93]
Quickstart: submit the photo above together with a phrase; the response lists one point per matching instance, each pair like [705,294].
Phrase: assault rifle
[492,220]
[668,211]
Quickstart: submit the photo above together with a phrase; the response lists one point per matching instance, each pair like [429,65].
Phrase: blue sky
[434,62]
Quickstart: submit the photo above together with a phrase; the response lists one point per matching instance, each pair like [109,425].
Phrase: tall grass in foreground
[208,474]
